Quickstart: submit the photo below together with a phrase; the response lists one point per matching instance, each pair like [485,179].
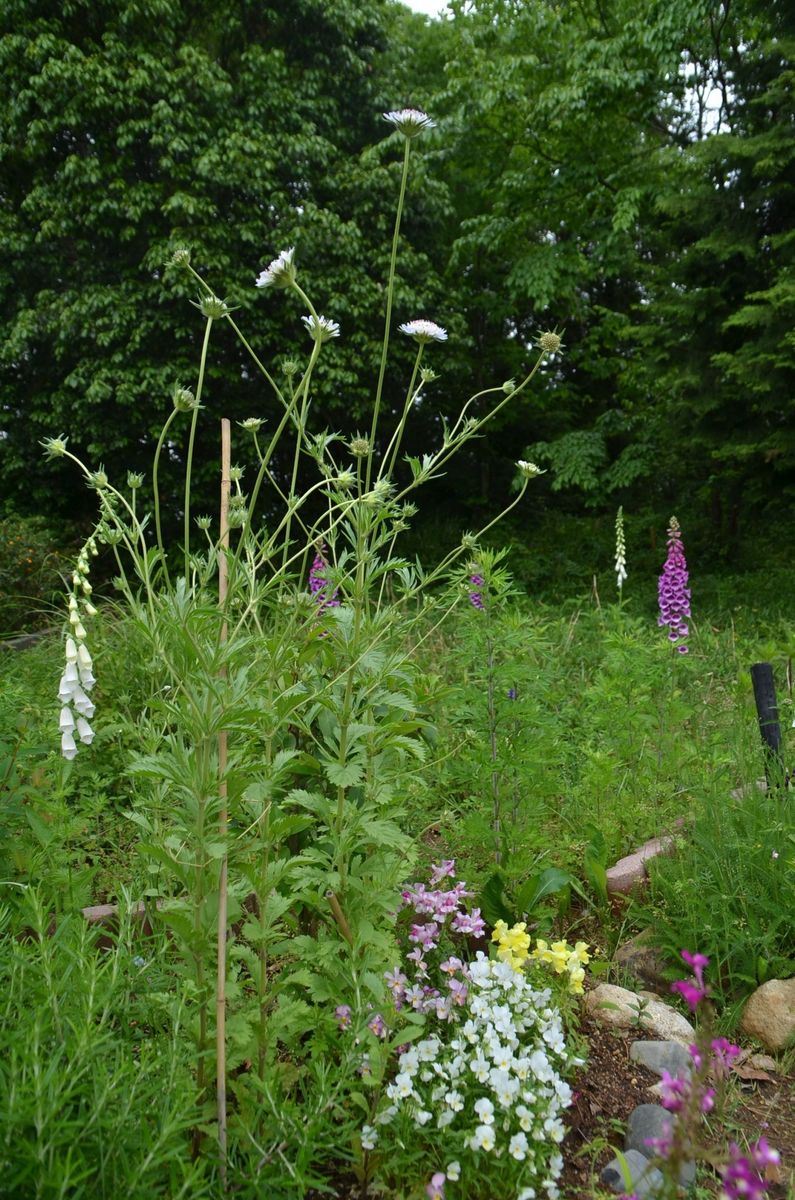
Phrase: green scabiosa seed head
[550,342]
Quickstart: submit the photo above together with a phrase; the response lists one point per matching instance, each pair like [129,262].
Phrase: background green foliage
[624,174]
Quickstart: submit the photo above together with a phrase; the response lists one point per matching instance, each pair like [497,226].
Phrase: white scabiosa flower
[423,331]
[409,121]
[528,470]
[280,272]
[321,329]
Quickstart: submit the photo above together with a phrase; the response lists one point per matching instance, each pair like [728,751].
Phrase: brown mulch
[605,1090]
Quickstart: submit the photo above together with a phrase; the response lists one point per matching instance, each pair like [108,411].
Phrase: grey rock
[645,1180]
[652,1121]
[662,1056]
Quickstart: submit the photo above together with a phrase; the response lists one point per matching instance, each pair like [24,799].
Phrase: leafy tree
[236,128]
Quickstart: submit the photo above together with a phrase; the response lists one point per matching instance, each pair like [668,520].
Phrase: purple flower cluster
[442,915]
[688,1097]
[743,1174]
[476,595]
[319,585]
[672,590]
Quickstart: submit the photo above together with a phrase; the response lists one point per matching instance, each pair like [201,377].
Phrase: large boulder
[769,1014]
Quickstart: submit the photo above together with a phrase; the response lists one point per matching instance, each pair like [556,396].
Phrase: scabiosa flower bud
[290,367]
[252,424]
[280,272]
[409,121]
[673,592]
[321,329]
[179,258]
[203,523]
[134,480]
[509,386]
[621,550]
[55,447]
[345,479]
[423,331]
[359,447]
[236,474]
[213,307]
[428,375]
[184,399]
[99,479]
[550,342]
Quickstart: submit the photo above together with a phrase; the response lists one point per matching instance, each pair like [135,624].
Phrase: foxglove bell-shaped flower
[621,550]
[68,747]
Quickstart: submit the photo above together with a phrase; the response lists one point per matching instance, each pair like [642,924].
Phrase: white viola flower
[483,1138]
[539,1065]
[321,329]
[445,1118]
[409,121]
[422,1117]
[480,1069]
[554,1129]
[505,1088]
[455,1101]
[453,1171]
[386,1114]
[369,1137]
[280,272]
[409,1061]
[525,1118]
[85,731]
[556,1163]
[485,1110]
[426,1075]
[67,721]
[424,331]
[404,1085]
[428,1049]
[527,1193]
[68,747]
[470,1032]
[517,1147]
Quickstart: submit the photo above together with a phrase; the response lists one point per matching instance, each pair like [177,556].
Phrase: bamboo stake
[223,816]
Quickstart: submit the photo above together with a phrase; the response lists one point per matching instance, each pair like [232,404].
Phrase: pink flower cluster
[476,596]
[672,591]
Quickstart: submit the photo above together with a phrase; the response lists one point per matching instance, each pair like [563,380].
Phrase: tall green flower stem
[223,818]
[390,290]
[156,492]
[191,444]
[393,449]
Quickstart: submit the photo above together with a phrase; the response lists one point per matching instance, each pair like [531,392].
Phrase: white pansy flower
[453,1171]
[404,1085]
[280,272]
[422,1117]
[485,1110]
[517,1147]
[369,1137]
[424,331]
[483,1138]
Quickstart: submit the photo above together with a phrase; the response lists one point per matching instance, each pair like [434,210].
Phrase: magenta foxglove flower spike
[319,585]
[672,590]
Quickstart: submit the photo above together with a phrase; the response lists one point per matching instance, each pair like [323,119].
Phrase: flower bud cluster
[78,678]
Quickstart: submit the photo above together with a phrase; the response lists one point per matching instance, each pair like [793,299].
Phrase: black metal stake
[769,727]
